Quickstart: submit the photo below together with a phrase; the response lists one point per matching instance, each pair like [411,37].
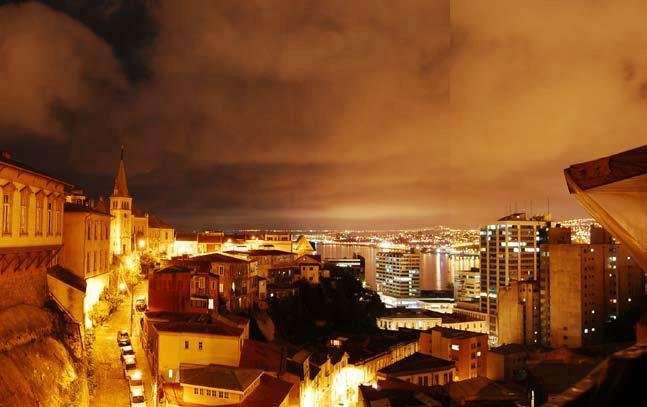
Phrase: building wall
[28,244]
[86,243]
[70,298]
[509,252]
[121,226]
[216,349]
[432,378]
[566,286]
[395,323]
[470,354]
[398,274]
[210,397]
[173,292]
[468,285]
[161,240]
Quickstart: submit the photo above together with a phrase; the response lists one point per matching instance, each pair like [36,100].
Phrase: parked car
[130,369]
[123,339]
[136,384]
[140,304]
[137,400]
[126,352]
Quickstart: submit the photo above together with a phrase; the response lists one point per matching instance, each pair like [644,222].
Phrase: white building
[398,273]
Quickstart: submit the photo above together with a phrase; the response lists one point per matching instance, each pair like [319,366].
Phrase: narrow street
[111,385]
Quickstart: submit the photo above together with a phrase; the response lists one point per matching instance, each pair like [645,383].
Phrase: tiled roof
[67,277]
[219,258]
[17,164]
[186,236]
[219,377]
[173,269]
[155,222]
[137,211]
[260,252]
[214,328]
[203,238]
[509,348]
[72,207]
[456,333]
[262,355]
[271,392]
[418,362]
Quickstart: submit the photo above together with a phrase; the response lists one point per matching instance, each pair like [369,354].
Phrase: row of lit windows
[211,393]
[52,216]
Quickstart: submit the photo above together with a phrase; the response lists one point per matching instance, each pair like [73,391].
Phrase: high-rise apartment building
[468,287]
[509,255]
[398,273]
[588,285]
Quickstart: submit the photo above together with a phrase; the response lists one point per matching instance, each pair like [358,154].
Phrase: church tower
[121,203]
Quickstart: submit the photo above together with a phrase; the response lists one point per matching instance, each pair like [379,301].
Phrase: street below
[111,386]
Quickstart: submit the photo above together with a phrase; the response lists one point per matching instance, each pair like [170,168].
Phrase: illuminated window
[39,215]
[6,214]
[24,204]
[186,344]
[456,347]
[200,345]
[49,218]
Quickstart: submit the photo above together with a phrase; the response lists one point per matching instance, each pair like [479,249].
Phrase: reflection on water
[438,269]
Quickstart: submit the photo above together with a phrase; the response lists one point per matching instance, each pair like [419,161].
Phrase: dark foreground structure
[614,191]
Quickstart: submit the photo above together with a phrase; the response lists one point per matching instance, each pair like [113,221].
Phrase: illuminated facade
[468,350]
[132,229]
[121,203]
[86,251]
[31,231]
[509,254]
[398,274]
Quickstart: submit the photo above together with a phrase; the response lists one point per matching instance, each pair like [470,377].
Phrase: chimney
[6,155]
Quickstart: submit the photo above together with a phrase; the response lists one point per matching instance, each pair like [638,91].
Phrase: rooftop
[509,349]
[397,393]
[456,333]
[72,207]
[361,348]
[67,277]
[416,313]
[260,252]
[186,237]
[156,222]
[218,258]
[6,158]
[219,377]
[418,362]
[213,328]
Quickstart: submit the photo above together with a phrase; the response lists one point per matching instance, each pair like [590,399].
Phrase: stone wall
[23,287]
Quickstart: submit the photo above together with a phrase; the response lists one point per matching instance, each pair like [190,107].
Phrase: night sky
[324,114]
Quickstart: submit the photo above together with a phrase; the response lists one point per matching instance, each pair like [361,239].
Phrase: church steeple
[121,186]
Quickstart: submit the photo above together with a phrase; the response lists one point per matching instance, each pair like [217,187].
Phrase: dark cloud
[324,113]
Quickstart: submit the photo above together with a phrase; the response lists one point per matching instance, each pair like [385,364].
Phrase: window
[208,392]
[202,392]
[221,270]
[57,218]
[186,344]
[87,262]
[39,215]
[89,231]
[6,214]
[49,218]
[24,205]
[200,345]
[94,260]
[195,390]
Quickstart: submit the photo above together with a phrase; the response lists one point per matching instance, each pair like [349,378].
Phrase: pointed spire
[121,186]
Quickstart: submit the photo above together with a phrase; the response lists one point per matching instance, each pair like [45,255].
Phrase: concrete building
[467,349]
[237,287]
[468,286]
[509,254]
[507,363]
[421,319]
[309,268]
[183,289]
[421,369]
[31,231]
[215,385]
[172,339]
[588,285]
[398,273]
[86,253]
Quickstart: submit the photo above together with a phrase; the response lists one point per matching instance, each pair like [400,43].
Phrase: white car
[130,369]
[137,401]
[136,383]
[127,351]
